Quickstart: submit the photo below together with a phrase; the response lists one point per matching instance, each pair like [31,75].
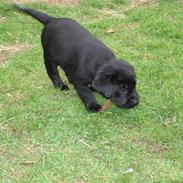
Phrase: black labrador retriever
[88,64]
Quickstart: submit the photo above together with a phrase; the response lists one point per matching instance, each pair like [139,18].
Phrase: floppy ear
[102,83]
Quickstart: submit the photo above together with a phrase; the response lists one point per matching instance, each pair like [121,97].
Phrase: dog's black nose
[134,101]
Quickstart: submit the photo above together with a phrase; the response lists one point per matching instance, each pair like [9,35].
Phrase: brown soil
[63,2]
[141,2]
[2,18]
[8,50]
[152,147]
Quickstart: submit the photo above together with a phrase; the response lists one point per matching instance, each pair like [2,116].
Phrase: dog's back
[74,48]
[68,44]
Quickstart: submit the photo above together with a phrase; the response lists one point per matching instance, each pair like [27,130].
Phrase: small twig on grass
[108,104]
[130,170]
[86,144]
[109,31]
[27,163]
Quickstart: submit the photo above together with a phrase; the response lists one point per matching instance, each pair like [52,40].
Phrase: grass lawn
[48,136]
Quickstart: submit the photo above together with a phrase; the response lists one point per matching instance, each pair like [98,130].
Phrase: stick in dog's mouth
[107,105]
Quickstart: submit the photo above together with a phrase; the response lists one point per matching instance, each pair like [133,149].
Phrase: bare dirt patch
[7,50]
[2,19]
[62,2]
[152,147]
[142,2]
[136,3]
[112,13]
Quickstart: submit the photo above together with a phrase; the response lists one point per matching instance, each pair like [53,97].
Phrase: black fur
[88,63]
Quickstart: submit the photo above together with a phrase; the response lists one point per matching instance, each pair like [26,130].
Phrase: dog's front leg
[87,97]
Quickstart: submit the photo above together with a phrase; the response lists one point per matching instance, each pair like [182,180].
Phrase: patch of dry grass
[2,18]
[152,147]
[7,50]
[142,2]
[112,13]
[137,3]
[62,2]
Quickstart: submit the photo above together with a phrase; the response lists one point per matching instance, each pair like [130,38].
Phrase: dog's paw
[64,87]
[94,107]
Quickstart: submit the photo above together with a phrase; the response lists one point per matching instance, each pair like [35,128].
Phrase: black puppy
[88,64]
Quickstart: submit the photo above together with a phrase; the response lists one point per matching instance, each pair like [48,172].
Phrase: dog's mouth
[127,105]
[130,105]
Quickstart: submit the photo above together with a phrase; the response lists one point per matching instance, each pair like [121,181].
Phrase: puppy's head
[117,82]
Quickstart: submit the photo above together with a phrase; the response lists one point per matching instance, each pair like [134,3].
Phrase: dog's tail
[41,17]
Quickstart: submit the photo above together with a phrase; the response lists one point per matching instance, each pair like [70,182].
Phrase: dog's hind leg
[53,74]
[87,97]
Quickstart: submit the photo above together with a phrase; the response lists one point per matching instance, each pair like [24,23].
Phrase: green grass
[47,135]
